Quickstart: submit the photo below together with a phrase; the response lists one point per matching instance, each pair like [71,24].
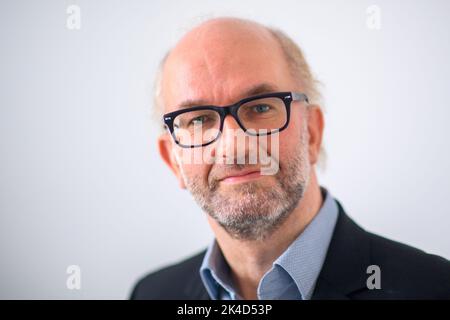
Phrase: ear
[165,146]
[316,125]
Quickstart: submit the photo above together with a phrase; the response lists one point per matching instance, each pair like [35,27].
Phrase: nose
[232,147]
[230,124]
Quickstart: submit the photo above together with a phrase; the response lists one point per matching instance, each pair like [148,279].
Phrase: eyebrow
[252,91]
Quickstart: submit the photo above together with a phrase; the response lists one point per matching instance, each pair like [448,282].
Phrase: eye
[198,120]
[261,108]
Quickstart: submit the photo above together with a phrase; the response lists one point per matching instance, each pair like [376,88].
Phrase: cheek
[289,139]
[284,149]
[189,165]
[196,171]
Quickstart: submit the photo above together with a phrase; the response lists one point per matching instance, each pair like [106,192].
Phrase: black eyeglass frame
[232,110]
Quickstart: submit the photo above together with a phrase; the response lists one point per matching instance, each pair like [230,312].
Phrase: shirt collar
[298,266]
[304,258]
[215,273]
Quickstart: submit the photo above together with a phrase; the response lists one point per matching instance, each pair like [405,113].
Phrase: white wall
[80,178]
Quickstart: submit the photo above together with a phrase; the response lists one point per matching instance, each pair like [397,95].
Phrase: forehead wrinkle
[254,90]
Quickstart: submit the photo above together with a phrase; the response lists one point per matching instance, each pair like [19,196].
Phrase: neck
[250,260]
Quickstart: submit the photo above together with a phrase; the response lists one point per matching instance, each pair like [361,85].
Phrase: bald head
[219,43]
[221,32]
[215,62]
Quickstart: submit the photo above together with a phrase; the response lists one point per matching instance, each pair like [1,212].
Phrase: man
[278,234]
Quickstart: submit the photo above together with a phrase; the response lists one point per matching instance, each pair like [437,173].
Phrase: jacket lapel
[344,269]
[194,289]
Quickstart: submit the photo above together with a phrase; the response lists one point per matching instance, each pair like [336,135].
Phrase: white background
[80,178]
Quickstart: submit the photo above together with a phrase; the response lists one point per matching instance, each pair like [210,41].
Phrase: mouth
[240,177]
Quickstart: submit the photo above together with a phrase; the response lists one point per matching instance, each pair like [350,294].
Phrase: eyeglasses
[257,116]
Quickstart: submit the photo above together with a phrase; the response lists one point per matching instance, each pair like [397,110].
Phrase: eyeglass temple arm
[296,96]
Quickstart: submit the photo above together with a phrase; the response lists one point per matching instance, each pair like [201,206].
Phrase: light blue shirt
[293,274]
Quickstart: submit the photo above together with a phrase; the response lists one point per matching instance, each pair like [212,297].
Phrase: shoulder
[404,272]
[170,282]
[407,271]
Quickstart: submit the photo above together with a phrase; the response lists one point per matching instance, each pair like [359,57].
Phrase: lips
[241,176]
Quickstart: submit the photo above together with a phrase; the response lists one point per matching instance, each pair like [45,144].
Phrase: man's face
[219,65]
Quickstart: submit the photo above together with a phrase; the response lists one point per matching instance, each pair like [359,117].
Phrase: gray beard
[254,212]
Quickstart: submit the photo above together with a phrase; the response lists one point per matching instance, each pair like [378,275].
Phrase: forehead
[220,70]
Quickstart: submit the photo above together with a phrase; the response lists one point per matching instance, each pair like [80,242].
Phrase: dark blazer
[406,272]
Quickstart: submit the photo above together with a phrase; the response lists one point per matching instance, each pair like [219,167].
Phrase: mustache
[220,170]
